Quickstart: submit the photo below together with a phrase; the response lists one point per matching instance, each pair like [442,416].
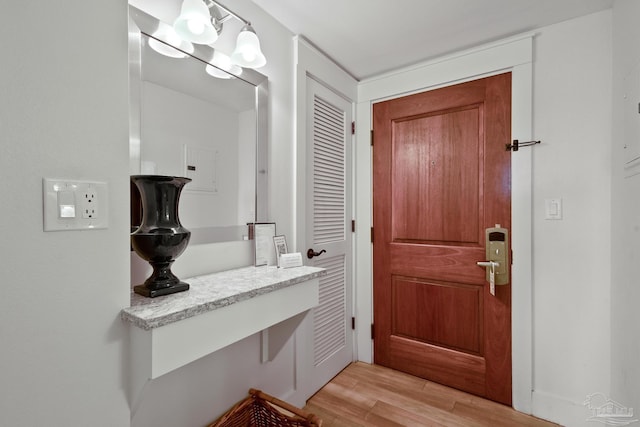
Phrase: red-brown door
[441,176]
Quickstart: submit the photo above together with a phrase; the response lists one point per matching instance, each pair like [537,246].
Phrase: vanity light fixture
[247,52]
[197,25]
[194,23]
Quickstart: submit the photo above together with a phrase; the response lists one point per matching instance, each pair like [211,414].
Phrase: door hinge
[353,128]
[353,225]
[371,234]
[353,323]
[371,137]
[373,332]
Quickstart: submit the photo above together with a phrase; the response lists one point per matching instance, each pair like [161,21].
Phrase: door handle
[490,264]
[311,253]
[492,267]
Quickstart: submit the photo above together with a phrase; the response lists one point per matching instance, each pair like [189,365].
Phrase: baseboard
[559,410]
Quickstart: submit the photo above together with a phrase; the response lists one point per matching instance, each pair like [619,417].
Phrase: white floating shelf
[219,309]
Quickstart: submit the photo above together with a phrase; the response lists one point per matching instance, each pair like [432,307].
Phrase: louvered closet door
[329,228]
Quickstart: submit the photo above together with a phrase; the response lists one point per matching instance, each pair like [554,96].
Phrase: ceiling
[370,37]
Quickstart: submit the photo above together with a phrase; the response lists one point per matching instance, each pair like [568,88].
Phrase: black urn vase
[161,238]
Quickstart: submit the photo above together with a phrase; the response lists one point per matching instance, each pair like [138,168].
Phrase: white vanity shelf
[219,309]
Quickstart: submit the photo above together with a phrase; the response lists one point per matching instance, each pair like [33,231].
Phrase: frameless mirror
[190,118]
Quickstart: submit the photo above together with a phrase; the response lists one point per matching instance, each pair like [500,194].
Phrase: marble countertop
[212,291]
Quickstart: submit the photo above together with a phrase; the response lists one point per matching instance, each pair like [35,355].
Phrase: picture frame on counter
[280,246]
[264,250]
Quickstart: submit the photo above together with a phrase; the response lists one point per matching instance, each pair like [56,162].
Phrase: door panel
[329,319]
[443,314]
[436,181]
[441,177]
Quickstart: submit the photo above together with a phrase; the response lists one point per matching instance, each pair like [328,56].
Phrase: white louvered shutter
[329,219]
[328,173]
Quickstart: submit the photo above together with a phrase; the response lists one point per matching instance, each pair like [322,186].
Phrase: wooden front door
[441,176]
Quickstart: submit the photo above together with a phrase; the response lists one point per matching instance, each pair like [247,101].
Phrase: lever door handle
[492,264]
[311,253]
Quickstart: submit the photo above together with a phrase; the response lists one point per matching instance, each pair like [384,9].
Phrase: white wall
[572,117]
[63,85]
[625,316]
[199,392]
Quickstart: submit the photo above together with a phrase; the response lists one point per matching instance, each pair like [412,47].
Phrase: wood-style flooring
[370,395]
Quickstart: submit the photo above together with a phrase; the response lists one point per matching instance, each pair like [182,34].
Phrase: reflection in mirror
[195,125]
[198,121]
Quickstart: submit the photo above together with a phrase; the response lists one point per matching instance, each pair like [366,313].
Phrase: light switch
[67,211]
[66,203]
[553,208]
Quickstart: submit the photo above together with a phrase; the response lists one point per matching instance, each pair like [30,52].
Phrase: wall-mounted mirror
[190,118]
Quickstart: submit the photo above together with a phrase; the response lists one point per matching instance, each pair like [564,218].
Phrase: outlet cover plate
[64,204]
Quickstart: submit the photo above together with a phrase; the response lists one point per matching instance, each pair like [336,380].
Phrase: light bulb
[196,26]
[249,56]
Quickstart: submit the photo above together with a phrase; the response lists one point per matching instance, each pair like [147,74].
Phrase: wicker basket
[263,410]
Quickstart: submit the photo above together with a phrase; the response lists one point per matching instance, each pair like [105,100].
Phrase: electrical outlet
[89,203]
[74,205]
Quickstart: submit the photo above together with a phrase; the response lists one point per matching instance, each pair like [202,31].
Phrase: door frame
[514,54]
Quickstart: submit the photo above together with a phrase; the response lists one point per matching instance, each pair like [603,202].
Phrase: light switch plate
[553,208]
[74,205]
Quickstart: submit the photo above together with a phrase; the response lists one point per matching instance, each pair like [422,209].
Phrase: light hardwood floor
[370,395]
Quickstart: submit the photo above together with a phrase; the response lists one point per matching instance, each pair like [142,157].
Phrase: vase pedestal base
[152,293]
